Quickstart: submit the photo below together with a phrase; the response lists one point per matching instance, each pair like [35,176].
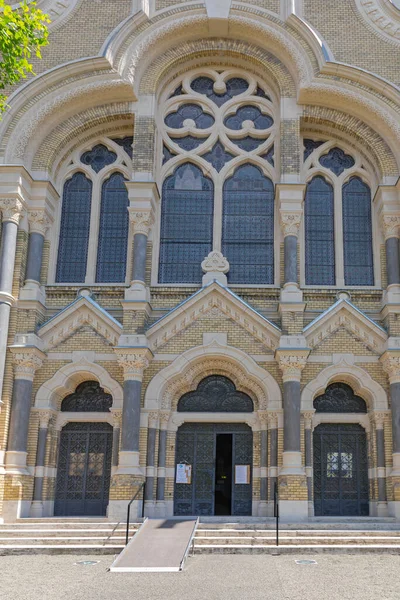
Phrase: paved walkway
[236,577]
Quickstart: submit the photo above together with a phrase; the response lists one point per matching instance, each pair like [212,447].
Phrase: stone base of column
[293,496]
[122,489]
[291,464]
[129,464]
[150,508]
[17,496]
[16,463]
[37,509]
[378,509]
[262,510]
[33,292]
[137,292]
[293,511]
[395,472]
[391,295]
[117,510]
[291,293]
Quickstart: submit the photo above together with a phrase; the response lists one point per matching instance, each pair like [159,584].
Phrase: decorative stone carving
[26,363]
[290,223]
[273,419]
[378,418]
[117,418]
[391,364]
[382,16]
[215,262]
[44,418]
[58,10]
[291,365]
[142,221]
[308,417]
[390,225]
[134,363]
[11,209]
[38,221]
[153,419]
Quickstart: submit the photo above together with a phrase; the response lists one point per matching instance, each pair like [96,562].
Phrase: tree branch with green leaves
[23,32]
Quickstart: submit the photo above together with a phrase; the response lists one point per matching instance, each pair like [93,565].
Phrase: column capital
[152,419]
[39,221]
[11,209]
[45,417]
[390,224]
[290,223]
[391,364]
[142,221]
[164,419]
[134,362]
[291,363]
[378,418]
[117,418]
[26,362]
[308,417]
[273,419]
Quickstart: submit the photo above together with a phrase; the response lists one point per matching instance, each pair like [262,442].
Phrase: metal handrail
[128,512]
[276,511]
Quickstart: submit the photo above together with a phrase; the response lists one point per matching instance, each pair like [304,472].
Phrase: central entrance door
[217,487]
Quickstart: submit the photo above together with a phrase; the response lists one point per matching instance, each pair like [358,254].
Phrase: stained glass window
[74,231]
[248,113]
[113,231]
[218,156]
[125,143]
[186,225]
[357,233]
[337,161]
[319,233]
[310,146]
[234,87]
[189,142]
[339,398]
[248,226]
[248,143]
[98,157]
[192,112]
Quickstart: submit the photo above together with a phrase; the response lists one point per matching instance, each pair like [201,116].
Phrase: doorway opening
[223,475]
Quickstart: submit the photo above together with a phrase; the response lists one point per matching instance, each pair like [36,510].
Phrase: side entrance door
[84,470]
[340,470]
[214,451]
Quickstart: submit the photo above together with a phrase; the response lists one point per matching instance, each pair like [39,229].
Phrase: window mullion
[94,233]
[339,254]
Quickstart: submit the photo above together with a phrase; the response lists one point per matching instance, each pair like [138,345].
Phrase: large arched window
[113,232]
[224,123]
[95,220]
[248,226]
[319,233]
[338,247]
[186,225]
[74,231]
[357,233]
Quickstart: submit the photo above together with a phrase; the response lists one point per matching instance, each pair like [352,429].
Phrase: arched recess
[66,380]
[361,382]
[185,373]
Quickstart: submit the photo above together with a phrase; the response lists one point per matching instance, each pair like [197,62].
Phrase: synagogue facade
[199,262]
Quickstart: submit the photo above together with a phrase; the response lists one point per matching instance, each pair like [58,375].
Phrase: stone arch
[362,383]
[65,381]
[185,373]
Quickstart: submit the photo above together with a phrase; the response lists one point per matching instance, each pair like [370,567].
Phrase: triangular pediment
[212,300]
[83,311]
[344,315]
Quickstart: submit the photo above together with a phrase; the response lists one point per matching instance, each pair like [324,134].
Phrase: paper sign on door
[242,474]
[183,473]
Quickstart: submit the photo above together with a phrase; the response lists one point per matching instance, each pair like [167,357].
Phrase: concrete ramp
[159,545]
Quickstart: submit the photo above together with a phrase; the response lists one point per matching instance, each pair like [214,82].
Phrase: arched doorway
[85,452]
[219,455]
[340,457]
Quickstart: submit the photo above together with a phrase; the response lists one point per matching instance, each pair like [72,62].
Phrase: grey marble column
[131,416]
[392,260]
[308,453]
[35,253]
[139,257]
[11,213]
[290,259]
[264,465]
[273,448]
[380,460]
[395,405]
[37,504]
[150,460]
[162,460]
[116,436]
[291,416]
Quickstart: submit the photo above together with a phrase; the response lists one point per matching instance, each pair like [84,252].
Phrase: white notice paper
[183,473]
[242,474]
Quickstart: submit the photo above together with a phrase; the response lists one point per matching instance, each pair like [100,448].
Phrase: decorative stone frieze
[134,363]
[27,362]
[290,223]
[11,209]
[39,221]
[142,221]
[291,364]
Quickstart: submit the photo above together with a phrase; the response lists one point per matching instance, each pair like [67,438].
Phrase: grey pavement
[235,577]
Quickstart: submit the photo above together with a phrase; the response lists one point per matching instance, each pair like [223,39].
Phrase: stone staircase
[64,536]
[247,535]
[350,536]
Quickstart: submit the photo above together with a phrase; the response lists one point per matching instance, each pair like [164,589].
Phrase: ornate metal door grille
[340,471]
[84,470]
[196,445]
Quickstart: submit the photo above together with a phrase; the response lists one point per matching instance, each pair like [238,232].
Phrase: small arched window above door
[88,397]
[215,394]
[339,398]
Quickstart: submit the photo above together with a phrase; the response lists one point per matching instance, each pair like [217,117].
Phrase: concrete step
[87,549]
[295,541]
[298,549]
[284,533]
[390,525]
